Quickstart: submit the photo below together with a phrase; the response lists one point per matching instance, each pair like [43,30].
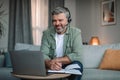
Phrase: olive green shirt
[72,45]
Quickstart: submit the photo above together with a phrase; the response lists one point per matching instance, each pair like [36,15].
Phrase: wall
[5,21]
[86,16]
[71,5]
[88,19]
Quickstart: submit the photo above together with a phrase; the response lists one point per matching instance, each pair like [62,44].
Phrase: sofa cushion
[23,46]
[1,60]
[92,55]
[5,74]
[97,74]
[111,60]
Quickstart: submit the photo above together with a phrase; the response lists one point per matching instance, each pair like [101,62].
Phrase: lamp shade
[94,41]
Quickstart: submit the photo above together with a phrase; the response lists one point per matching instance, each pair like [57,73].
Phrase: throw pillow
[7,60]
[1,60]
[111,60]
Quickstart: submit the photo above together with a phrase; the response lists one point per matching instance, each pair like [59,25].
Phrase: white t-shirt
[59,45]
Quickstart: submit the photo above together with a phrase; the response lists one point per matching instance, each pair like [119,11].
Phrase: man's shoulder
[75,29]
[49,30]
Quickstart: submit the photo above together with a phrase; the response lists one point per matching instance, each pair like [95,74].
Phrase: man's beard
[62,30]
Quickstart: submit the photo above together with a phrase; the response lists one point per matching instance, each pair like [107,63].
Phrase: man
[62,44]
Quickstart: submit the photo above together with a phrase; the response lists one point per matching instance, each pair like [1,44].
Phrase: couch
[5,70]
[91,59]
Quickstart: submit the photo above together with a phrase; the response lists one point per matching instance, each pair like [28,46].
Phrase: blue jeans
[76,77]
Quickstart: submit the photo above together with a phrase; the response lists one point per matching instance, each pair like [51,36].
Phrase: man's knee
[79,63]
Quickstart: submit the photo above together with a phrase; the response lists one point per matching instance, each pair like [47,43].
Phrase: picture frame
[108,12]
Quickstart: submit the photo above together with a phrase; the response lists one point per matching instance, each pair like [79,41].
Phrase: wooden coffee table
[51,76]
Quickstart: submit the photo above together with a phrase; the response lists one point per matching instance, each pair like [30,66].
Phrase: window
[39,10]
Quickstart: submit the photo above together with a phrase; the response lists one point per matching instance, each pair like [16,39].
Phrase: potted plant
[2,13]
[1,29]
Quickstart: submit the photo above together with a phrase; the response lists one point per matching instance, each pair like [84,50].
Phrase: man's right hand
[53,64]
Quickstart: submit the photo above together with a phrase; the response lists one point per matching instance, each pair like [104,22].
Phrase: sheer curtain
[39,10]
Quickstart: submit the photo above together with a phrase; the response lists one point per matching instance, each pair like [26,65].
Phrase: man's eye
[61,20]
[53,20]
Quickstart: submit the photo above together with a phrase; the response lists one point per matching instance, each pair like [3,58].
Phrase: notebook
[28,63]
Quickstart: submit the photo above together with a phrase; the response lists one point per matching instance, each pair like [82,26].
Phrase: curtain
[39,19]
[53,4]
[19,23]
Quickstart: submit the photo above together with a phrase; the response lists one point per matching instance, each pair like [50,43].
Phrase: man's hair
[64,10]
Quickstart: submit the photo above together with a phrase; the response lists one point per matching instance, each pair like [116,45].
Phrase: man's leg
[77,77]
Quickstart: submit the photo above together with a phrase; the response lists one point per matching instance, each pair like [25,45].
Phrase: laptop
[28,63]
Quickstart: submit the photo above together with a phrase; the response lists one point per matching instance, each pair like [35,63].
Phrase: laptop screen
[28,63]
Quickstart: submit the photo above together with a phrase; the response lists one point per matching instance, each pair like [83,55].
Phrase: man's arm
[76,49]
[56,64]
[63,60]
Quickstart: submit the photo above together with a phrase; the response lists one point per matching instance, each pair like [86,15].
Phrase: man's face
[59,22]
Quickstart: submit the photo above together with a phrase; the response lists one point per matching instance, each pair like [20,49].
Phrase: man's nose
[57,22]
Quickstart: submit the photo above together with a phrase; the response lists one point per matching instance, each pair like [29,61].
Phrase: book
[70,69]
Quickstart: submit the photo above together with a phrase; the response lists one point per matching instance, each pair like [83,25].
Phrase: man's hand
[53,64]
[56,64]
